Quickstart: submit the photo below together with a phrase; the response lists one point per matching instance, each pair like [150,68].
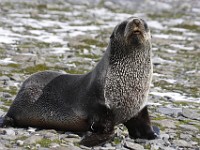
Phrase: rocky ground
[71,36]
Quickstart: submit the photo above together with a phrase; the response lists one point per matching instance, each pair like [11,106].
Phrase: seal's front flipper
[140,126]
[94,139]
[101,121]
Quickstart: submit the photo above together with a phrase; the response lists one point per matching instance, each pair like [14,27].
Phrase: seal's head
[131,33]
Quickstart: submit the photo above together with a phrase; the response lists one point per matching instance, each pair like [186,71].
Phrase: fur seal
[114,92]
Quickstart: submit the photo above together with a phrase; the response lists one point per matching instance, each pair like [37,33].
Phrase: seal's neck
[127,81]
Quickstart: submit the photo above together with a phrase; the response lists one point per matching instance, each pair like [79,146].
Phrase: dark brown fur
[114,92]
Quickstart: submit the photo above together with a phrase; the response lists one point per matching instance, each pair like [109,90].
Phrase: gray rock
[166,148]
[10,132]
[7,95]
[8,137]
[33,139]
[164,137]
[31,130]
[107,148]
[133,146]
[181,143]
[190,113]
[170,111]
[167,123]
[16,77]
[189,127]
[157,142]
[67,147]
[4,78]
[110,5]
[186,137]
[172,135]
[85,147]
[155,147]
[72,140]
[2,113]
[71,135]
[54,145]
[20,142]
[198,136]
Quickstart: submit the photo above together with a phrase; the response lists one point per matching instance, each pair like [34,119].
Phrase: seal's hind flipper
[95,139]
[6,121]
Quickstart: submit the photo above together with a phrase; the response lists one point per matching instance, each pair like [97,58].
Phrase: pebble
[20,142]
[164,137]
[133,146]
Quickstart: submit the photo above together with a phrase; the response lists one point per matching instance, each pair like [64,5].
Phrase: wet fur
[82,103]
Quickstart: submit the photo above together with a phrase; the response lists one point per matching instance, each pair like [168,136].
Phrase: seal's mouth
[136,31]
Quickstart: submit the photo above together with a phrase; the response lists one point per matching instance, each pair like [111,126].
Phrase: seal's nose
[136,22]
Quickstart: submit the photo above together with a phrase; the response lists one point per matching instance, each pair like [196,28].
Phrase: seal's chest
[126,89]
